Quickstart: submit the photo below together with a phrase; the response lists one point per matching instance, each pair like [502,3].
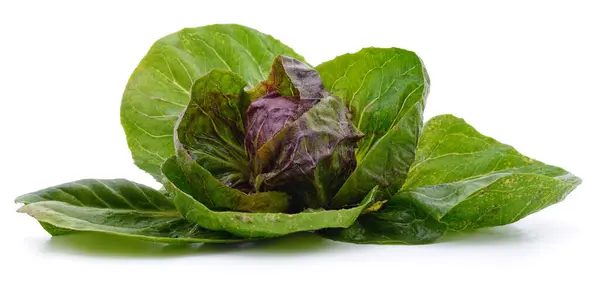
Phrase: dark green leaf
[203,187]
[386,90]
[158,89]
[253,225]
[117,207]
[398,222]
[210,129]
[468,180]
[55,231]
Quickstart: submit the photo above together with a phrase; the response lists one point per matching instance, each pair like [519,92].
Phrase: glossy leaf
[54,230]
[291,89]
[158,89]
[311,157]
[251,225]
[117,207]
[400,221]
[266,116]
[468,180]
[386,90]
[291,77]
[299,138]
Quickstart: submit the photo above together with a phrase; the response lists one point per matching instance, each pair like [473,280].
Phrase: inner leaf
[299,138]
[210,129]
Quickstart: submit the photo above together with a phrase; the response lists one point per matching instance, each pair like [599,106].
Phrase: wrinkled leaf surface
[253,225]
[468,180]
[386,91]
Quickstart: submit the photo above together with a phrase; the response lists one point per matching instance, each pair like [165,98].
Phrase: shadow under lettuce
[104,245]
[505,235]
[99,244]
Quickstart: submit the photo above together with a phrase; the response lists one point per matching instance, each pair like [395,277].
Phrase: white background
[523,72]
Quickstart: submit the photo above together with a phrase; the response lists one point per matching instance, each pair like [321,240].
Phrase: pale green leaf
[468,180]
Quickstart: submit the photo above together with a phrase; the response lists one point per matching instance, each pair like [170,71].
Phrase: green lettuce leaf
[158,89]
[399,221]
[253,225]
[118,207]
[386,90]
[54,230]
[210,129]
[208,190]
[468,180]
[209,139]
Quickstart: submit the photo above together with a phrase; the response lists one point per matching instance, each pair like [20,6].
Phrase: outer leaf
[203,187]
[117,207]
[468,180]
[266,116]
[55,231]
[400,221]
[386,90]
[253,225]
[158,89]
